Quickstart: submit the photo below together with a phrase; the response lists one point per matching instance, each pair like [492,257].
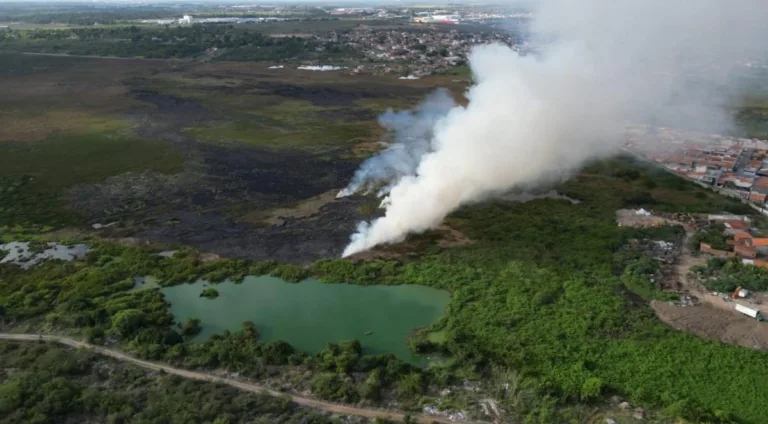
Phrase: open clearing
[713,323]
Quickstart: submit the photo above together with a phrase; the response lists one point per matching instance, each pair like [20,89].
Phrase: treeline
[171,42]
[82,16]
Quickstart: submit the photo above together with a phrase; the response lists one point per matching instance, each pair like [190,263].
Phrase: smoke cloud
[612,63]
[413,134]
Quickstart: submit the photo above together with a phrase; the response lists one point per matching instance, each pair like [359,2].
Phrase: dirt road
[195,375]
[713,318]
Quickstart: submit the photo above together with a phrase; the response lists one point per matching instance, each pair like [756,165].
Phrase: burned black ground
[220,183]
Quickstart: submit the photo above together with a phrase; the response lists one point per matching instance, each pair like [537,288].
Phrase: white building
[186,20]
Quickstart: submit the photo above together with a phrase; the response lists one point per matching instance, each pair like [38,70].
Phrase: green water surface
[310,314]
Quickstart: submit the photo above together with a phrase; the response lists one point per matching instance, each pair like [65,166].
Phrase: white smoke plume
[412,131]
[612,62]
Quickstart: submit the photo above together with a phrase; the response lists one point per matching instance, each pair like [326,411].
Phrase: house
[711,177]
[761,185]
[757,197]
[707,248]
[745,245]
[745,251]
[761,244]
[735,226]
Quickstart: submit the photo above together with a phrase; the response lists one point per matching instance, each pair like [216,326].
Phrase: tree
[94,335]
[210,293]
[191,327]
[592,389]
[127,322]
[411,385]
[371,387]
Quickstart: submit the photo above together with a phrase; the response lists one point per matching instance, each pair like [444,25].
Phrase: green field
[62,161]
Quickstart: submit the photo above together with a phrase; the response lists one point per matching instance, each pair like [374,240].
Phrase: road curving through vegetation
[249,387]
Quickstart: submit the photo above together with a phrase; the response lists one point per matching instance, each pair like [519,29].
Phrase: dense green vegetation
[543,294]
[63,160]
[210,293]
[31,209]
[43,383]
[545,290]
[67,14]
[170,42]
[713,236]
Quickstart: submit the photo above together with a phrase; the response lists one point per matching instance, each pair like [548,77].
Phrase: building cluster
[189,20]
[355,11]
[442,18]
[418,53]
[746,246]
[735,166]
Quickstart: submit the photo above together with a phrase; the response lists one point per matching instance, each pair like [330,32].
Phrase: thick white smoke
[412,131]
[613,62]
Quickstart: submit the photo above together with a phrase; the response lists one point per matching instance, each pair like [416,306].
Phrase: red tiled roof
[761,242]
[761,182]
[744,250]
[737,225]
[742,236]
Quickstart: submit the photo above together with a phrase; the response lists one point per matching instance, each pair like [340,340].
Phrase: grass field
[64,160]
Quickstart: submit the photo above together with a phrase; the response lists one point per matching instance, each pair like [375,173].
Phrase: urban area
[714,244]
[734,166]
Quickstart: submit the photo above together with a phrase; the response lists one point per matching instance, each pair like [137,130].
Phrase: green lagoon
[311,314]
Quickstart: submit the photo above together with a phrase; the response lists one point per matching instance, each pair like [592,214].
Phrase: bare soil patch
[713,323]
[630,218]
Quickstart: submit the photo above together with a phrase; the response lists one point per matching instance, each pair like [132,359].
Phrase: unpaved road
[300,400]
[714,318]
[712,323]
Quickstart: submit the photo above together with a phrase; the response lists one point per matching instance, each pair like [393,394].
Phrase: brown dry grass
[444,237]
[628,218]
[304,209]
[47,95]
